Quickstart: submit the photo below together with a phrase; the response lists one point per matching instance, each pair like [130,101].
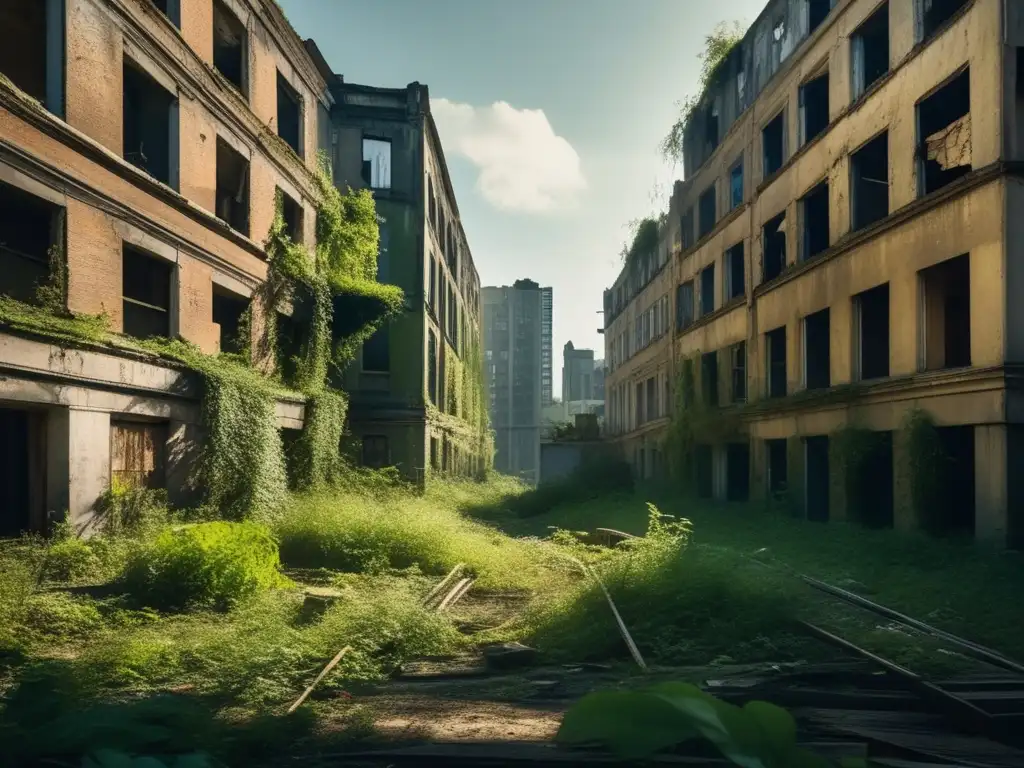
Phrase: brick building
[145,142]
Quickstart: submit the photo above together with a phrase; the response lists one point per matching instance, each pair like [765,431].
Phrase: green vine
[926,465]
[853,447]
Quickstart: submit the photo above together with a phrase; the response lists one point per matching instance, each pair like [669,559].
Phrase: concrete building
[141,147]
[599,373]
[547,366]
[849,253]
[513,363]
[577,373]
[416,391]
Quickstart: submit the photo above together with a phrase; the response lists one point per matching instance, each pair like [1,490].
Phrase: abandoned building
[416,387]
[863,160]
[134,152]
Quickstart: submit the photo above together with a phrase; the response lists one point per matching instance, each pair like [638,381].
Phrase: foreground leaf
[632,725]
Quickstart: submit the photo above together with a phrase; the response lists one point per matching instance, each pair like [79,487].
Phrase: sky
[550,113]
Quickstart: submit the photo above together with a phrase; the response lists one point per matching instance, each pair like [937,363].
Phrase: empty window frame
[32,49]
[817,361]
[931,16]
[377,351]
[707,212]
[149,125]
[652,399]
[773,144]
[376,452]
[711,127]
[684,305]
[773,240]
[638,405]
[292,213]
[29,228]
[232,187]
[738,378]
[377,173]
[778,460]
[871,325]
[432,366]
[687,228]
[707,290]
[946,304]
[432,285]
[734,271]
[775,354]
[817,11]
[231,47]
[813,108]
[944,134]
[814,236]
[171,9]
[869,182]
[146,283]
[736,185]
[869,55]
[709,378]
[228,310]
[289,115]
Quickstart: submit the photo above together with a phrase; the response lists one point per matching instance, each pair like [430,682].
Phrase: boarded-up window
[137,454]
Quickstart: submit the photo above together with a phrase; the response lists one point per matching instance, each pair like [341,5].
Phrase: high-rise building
[599,372]
[547,366]
[513,364]
[577,373]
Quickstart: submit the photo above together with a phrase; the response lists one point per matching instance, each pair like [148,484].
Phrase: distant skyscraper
[547,367]
[513,374]
[577,373]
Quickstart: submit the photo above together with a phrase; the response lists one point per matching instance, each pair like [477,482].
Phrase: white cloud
[523,164]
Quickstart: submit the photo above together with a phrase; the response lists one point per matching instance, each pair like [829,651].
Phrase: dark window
[775,342]
[870,181]
[146,294]
[684,305]
[228,310]
[22,470]
[230,47]
[432,286]
[291,211]
[289,115]
[778,462]
[289,345]
[433,453]
[814,220]
[711,127]
[377,174]
[706,205]
[736,185]
[872,313]
[29,228]
[944,135]
[652,399]
[709,378]
[432,366]
[707,290]
[687,228]
[377,351]
[774,242]
[870,50]
[816,477]
[933,14]
[870,483]
[232,187]
[738,358]
[737,469]
[773,145]
[814,107]
[817,342]
[734,268]
[149,125]
[639,404]
[817,11]
[947,314]
[32,49]
[376,452]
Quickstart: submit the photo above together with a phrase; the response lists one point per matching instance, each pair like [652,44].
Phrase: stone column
[991,519]
[78,465]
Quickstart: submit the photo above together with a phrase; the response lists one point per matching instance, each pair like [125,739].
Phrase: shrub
[58,615]
[209,564]
[68,558]
[129,510]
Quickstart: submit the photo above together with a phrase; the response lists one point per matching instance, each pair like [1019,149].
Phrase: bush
[69,559]
[58,615]
[205,565]
[128,510]
[597,477]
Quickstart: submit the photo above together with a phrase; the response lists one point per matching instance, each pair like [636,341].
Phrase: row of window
[446,232]
[633,404]
[648,326]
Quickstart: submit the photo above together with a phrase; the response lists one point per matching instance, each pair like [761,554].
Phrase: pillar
[991,508]
[78,465]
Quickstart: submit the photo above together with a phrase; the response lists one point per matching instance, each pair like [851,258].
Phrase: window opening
[228,310]
[230,47]
[29,227]
[932,15]
[947,314]
[816,478]
[774,240]
[817,361]
[22,471]
[232,187]
[817,12]
[814,217]
[734,268]
[944,135]
[872,308]
[377,174]
[870,50]
[146,294]
[687,228]
[870,180]
[292,213]
[813,107]
[776,352]
[707,290]
[149,125]
[778,465]
[709,378]
[684,305]
[738,359]
[773,143]
[32,49]
[706,206]
[736,185]
[737,469]
[289,115]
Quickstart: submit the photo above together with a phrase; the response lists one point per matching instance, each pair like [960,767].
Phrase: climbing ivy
[925,467]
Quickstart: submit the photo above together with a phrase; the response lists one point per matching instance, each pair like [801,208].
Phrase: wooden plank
[439,587]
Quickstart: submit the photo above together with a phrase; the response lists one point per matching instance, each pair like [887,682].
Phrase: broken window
[814,218]
[737,470]
[292,213]
[709,378]
[32,52]
[738,359]
[376,452]
[869,179]
[377,351]
[289,115]
[706,206]
[947,314]
[932,15]
[774,243]
[684,305]
[687,228]
[432,366]
[816,477]
[230,47]
[707,290]
[228,310]
[817,11]
[377,171]
[734,269]
[232,187]
[773,144]
[29,228]
[872,325]
[145,294]
[817,361]
[777,467]
[150,125]
[736,185]
[870,50]
[944,134]
[775,341]
[813,108]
